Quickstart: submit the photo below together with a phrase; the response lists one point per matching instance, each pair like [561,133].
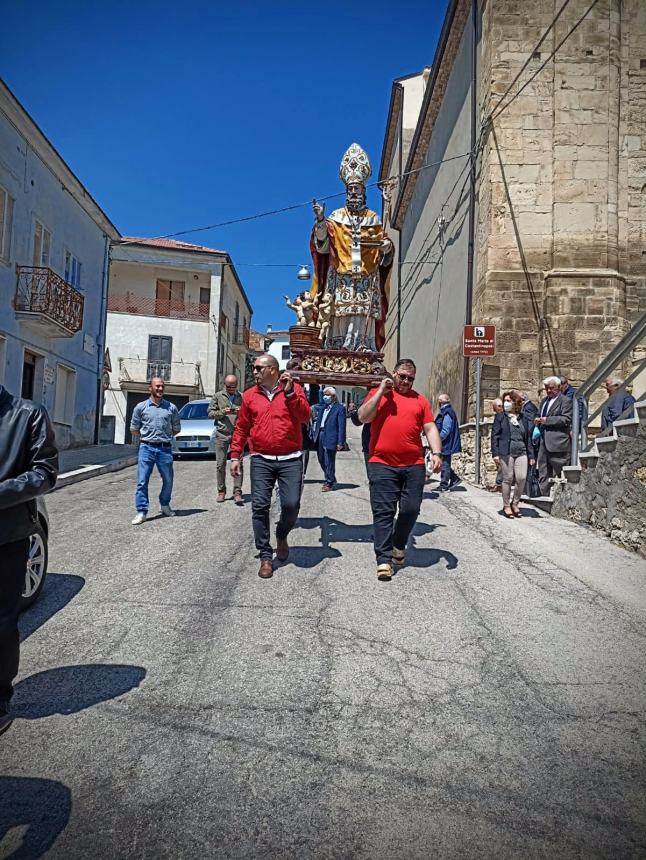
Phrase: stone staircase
[607,490]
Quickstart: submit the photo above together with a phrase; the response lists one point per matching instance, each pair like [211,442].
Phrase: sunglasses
[258,368]
[405,377]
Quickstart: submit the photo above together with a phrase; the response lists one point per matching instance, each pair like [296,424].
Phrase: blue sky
[177,115]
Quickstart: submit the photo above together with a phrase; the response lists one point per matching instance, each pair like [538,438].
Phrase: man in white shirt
[554,420]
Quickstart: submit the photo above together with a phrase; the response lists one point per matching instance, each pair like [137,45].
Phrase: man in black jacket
[28,468]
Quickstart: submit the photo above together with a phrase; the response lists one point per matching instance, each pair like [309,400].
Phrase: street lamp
[303,274]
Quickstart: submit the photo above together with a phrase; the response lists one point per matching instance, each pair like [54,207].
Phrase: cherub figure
[326,312]
[304,307]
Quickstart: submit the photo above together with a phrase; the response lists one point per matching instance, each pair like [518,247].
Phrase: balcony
[47,303]
[130,303]
[178,374]
[241,336]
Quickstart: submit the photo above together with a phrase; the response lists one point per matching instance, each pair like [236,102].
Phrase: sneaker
[167,511]
[399,556]
[384,572]
[140,518]
[455,483]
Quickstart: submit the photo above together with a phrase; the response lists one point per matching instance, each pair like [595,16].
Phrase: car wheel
[36,567]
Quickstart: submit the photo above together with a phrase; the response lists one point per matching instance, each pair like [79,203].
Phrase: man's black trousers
[264,475]
[391,486]
[12,581]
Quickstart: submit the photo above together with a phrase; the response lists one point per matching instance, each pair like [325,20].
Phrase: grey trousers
[549,466]
[513,469]
[222,445]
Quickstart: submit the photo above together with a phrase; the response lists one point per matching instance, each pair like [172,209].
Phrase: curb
[86,472]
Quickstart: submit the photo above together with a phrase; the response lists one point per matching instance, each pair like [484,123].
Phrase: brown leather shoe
[326,488]
[282,549]
[266,569]
[221,497]
[237,497]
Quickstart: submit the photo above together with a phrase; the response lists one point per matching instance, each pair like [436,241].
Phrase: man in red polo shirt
[271,417]
[398,416]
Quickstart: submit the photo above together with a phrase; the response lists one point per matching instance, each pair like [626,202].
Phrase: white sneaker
[139,519]
[167,511]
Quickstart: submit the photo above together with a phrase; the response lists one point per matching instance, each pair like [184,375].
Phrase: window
[42,245]
[205,295]
[65,395]
[194,411]
[3,357]
[285,352]
[160,351]
[236,320]
[6,222]
[72,270]
[170,297]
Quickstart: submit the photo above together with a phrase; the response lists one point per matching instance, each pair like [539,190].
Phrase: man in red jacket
[271,418]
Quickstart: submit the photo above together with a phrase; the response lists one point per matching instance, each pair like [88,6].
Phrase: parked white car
[197,435]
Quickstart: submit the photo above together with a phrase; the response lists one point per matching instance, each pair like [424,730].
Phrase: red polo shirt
[395,431]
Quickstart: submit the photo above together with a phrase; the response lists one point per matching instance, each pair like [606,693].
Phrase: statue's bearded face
[356,199]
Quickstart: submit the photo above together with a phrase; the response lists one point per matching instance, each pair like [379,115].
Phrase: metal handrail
[628,342]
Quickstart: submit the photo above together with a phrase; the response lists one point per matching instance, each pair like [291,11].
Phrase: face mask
[327,398]
[507,406]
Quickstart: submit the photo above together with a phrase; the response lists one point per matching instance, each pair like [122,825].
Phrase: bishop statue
[352,261]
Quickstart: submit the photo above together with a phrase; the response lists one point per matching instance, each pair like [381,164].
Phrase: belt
[158,444]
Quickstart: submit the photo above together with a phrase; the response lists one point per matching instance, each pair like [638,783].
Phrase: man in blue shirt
[449,429]
[329,435]
[156,421]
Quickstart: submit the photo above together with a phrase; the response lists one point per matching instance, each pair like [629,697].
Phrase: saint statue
[352,260]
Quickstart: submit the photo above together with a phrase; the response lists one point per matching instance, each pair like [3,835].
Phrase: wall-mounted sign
[49,374]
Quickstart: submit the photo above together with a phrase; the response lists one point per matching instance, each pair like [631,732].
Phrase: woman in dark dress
[511,448]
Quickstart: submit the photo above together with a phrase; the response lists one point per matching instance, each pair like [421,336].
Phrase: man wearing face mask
[329,435]
[396,469]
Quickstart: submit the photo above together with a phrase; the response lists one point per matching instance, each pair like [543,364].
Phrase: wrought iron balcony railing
[130,303]
[179,373]
[39,290]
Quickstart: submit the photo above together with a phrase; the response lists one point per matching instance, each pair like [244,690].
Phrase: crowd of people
[275,421]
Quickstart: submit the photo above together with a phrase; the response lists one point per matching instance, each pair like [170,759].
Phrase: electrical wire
[288,208]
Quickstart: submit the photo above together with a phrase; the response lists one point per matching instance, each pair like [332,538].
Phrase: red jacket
[271,426]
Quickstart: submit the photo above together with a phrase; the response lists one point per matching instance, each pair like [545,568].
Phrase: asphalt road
[488,702]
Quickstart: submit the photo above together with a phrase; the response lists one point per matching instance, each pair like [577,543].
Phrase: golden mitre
[355,165]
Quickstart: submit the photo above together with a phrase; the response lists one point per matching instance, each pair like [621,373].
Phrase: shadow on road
[188,512]
[70,689]
[33,814]
[59,589]
[335,531]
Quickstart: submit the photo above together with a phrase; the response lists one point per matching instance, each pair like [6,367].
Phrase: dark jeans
[390,486]
[447,475]
[327,461]
[12,581]
[264,475]
[550,466]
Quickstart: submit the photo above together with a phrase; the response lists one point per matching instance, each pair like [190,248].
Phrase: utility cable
[289,208]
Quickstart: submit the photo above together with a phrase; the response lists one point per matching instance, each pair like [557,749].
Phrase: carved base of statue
[337,367]
[304,337]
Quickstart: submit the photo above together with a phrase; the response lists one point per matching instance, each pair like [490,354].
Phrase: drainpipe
[472,204]
[100,347]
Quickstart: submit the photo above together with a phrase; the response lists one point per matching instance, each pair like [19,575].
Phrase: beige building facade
[177,311]
[559,222]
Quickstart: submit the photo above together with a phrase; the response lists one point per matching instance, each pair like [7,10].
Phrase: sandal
[510,515]
[516,511]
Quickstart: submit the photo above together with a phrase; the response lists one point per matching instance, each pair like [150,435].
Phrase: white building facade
[54,243]
[177,311]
